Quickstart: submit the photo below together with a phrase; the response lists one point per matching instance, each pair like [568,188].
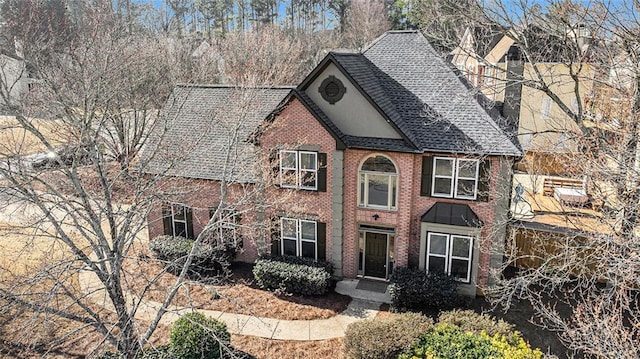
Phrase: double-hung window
[455,178]
[299,237]
[450,254]
[299,169]
[227,227]
[180,217]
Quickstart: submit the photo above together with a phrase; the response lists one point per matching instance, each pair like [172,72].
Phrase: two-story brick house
[386,159]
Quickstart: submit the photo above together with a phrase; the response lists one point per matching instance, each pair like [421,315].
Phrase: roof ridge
[388,32]
[200,85]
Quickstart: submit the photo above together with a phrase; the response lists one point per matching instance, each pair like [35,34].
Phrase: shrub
[384,338]
[294,278]
[447,341]
[196,336]
[417,290]
[470,321]
[207,260]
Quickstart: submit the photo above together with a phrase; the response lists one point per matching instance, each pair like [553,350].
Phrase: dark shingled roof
[204,131]
[424,98]
[452,214]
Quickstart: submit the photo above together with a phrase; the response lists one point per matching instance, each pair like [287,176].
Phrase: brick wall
[354,215]
[293,128]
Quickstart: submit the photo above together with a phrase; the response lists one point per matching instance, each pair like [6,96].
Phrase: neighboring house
[385,158]
[15,81]
[492,62]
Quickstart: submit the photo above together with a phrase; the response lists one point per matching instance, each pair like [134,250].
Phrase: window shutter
[322,240]
[322,172]
[275,237]
[484,178]
[189,218]
[274,162]
[427,174]
[166,220]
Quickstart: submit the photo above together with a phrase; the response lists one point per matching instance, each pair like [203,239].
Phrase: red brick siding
[292,128]
[354,215]
[484,210]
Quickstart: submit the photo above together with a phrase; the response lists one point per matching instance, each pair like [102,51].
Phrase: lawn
[15,140]
[237,295]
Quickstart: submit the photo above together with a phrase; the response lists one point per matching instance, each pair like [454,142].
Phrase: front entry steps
[368,290]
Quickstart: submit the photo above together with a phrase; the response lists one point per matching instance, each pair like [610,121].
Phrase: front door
[375,256]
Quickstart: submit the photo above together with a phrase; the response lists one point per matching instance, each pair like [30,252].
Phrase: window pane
[178,212]
[361,251]
[444,167]
[461,247]
[466,188]
[308,161]
[288,159]
[308,179]
[442,186]
[379,164]
[378,190]
[309,250]
[436,264]
[308,230]
[362,185]
[467,168]
[289,178]
[394,184]
[437,244]
[289,228]
[180,229]
[289,247]
[460,268]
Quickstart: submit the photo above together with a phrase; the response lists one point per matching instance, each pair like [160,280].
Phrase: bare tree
[365,20]
[582,59]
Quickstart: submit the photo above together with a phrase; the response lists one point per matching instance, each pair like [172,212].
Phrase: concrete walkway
[242,324]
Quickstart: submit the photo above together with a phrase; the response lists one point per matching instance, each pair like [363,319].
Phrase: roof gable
[359,114]
[434,104]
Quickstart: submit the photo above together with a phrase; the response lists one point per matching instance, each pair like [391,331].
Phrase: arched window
[378,183]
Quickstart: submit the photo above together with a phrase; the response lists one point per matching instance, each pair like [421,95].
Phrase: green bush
[384,338]
[294,278]
[470,321]
[207,260]
[447,341]
[195,336]
[416,290]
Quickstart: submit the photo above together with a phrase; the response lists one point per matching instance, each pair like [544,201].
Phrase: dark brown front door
[375,255]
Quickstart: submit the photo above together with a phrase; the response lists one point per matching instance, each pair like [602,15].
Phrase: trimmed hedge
[207,260]
[416,290]
[470,321]
[293,275]
[384,338]
[195,336]
[447,341]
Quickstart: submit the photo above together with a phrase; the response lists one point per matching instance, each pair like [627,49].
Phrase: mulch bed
[239,295]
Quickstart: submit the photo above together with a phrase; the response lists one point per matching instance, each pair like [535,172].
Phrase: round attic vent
[332,89]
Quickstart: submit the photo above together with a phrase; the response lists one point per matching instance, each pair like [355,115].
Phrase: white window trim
[174,220]
[298,170]
[448,254]
[363,199]
[455,178]
[227,220]
[298,238]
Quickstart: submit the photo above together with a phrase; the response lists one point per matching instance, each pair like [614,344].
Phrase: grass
[15,140]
